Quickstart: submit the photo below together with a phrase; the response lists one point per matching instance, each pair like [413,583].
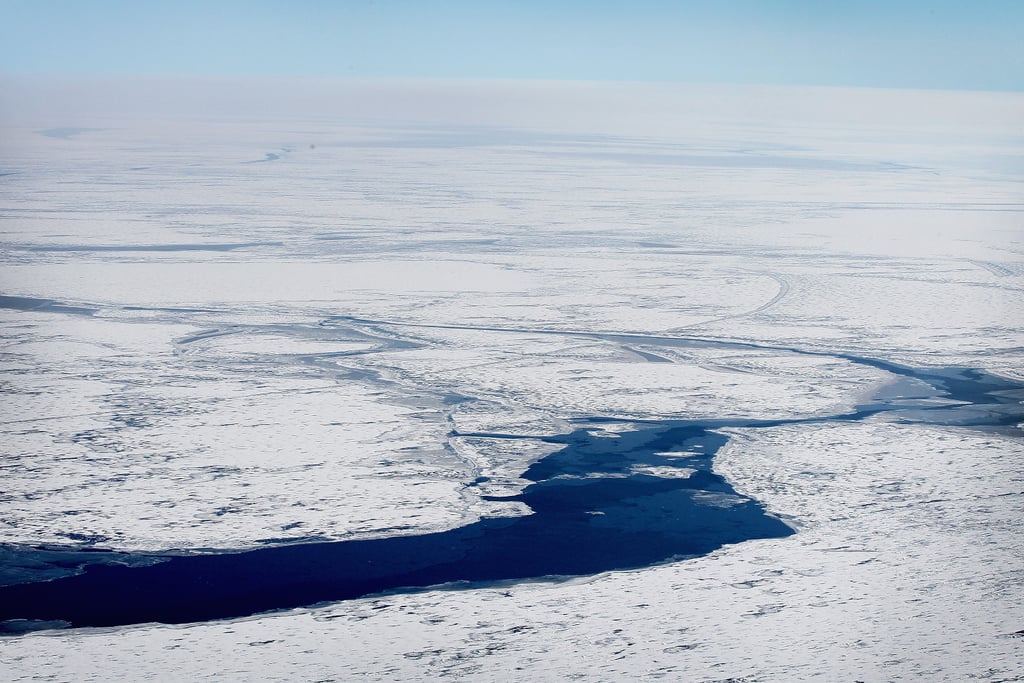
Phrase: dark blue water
[647,496]
[592,512]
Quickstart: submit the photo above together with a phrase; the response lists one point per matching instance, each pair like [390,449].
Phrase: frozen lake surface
[600,381]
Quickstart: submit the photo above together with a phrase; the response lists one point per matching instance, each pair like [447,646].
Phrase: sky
[938,44]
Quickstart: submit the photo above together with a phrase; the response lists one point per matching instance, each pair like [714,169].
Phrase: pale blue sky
[966,44]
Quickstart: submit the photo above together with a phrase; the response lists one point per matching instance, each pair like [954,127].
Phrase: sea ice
[231,355]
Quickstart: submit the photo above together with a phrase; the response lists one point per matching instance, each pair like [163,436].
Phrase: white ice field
[236,315]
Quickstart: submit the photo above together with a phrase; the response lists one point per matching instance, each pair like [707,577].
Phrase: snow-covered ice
[233,328]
